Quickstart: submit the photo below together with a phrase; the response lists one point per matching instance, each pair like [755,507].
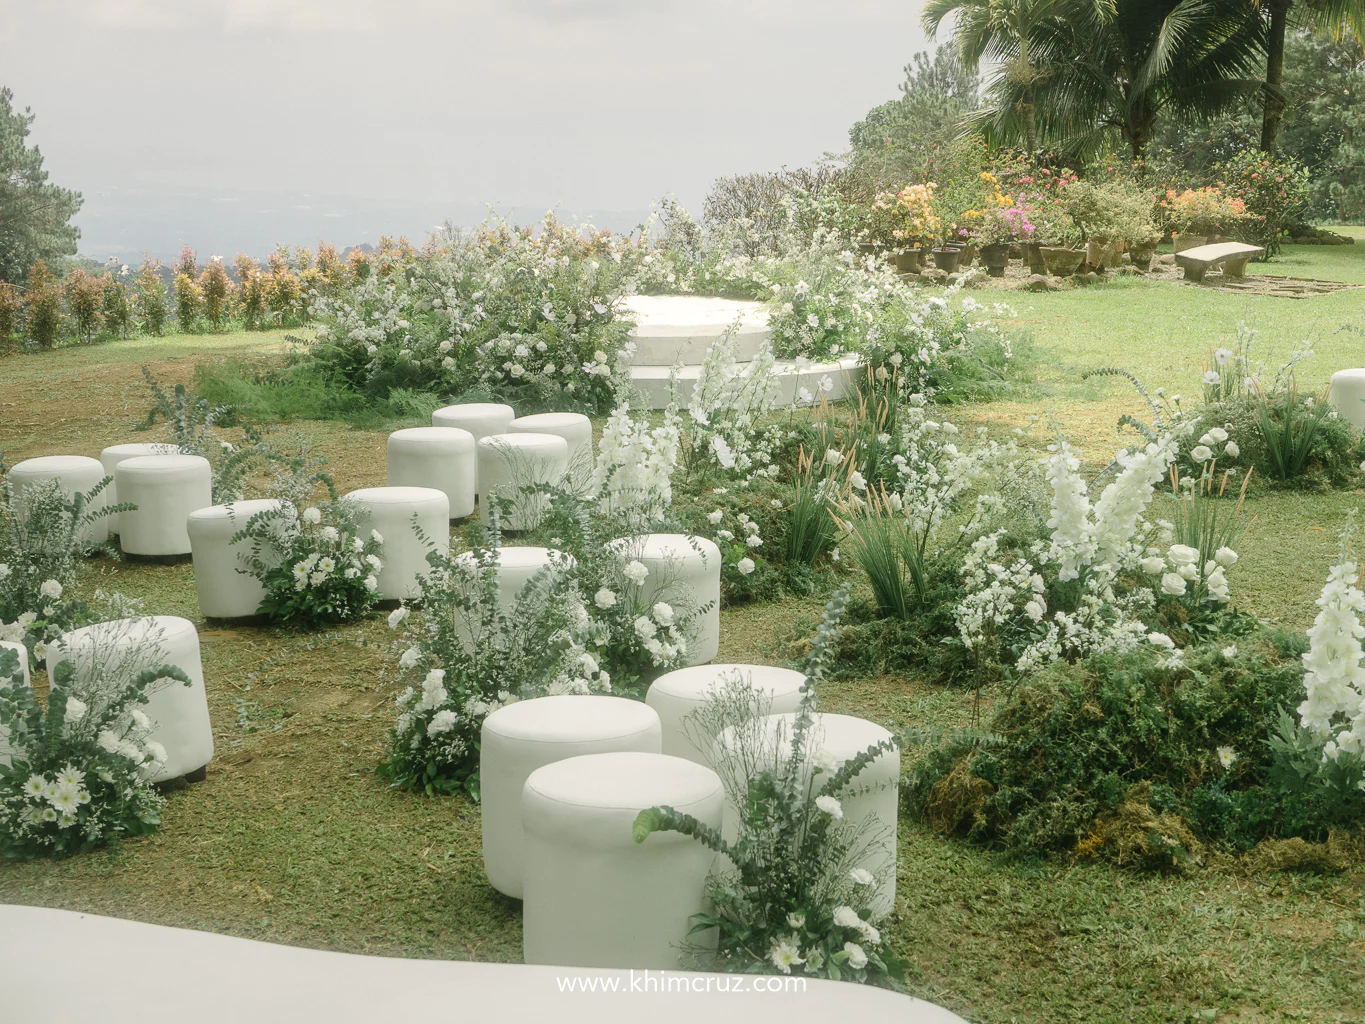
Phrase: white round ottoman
[681,568]
[73,473]
[594,897]
[514,568]
[114,454]
[575,428]
[1348,396]
[510,462]
[439,457]
[21,652]
[225,593]
[874,792]
[676,695]
[519,738]
[391,512]
[179,713]
[479,418]
[165,489]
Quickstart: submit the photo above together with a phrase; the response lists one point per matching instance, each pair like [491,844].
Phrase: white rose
[1225,557]
[51,589]
[312,515]
[745,566]
[1182,554]
[1173,584]
[1201,453]
[1153,564]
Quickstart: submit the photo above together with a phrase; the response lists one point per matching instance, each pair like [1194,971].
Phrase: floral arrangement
[531,317]
[797,899]
[467,655]
[635,463]
[41,546]
[1206,210]
[78,773]
[318,566]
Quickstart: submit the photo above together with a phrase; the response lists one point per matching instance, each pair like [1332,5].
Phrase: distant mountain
[124,221]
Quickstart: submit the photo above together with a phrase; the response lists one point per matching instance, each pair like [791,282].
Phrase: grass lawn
[292,838]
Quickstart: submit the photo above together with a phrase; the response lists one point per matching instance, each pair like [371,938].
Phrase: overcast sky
[402,108]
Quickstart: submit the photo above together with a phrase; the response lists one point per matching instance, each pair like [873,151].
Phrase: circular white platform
[673,328]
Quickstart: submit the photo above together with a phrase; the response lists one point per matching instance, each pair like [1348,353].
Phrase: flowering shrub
[216,289]
[531,318]
[469,654]
[912,209]
[317,566]
[78,775]
[1274,195]
[795,899]
[1203,211]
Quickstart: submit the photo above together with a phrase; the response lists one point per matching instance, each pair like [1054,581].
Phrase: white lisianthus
[861,876]
[1182,554]
[329,533]
[1232,450]
[442,721]
[156,751]
[1218,434]
[645,627]
[857,959]
[663,614]
[1201,453]
[378,538]
[856,479]
[754,540]
[397,616]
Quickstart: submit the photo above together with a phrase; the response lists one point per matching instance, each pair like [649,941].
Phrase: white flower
[1218,434]
[1232,450]
[754,540]
[715,517]
[1161,640]
[830,806]
[442,721]
[745,566]
[784,955]
[802,287]
[329,533]
[1153,564]
[156,751]
[833,456]
[410,658]
[1182,554]
[1173,584]
[1201,453]
[796,920]
[826,383]
[378,538]
[1230,651]
[604,599]
[1221,356]
[51,589]
[663,614]
[397,616]
[856,479]
[371,583]
[861,876]
[67,799]
[1035,610]
[636,571]
[1212,377]
[1226,755]
[75,710]
[645,627]
[36,783]
[312,515]
[4,571]
[107,741]
[857,959]
[1225,557]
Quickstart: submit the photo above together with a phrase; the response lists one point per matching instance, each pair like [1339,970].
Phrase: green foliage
[35,215]
[1289,430]
[1079,738]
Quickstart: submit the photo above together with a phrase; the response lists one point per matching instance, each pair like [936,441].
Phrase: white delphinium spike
[1333,677]
[1073,533]
[1123,501]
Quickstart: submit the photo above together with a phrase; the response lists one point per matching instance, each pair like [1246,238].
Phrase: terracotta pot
[968,255]
[1183,242]
[996,257]
[907,261]
[1141,255]
[869,248]
[1033,256]
[946,259]
[1062,262]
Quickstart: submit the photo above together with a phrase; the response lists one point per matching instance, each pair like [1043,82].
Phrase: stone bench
[220,979]
[1232,255]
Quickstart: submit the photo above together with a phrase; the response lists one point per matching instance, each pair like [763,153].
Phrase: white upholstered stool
[676,695]
[575,428]
[21,652]
[439,457]
[73,473]
[681,569]
[519,738]
[179,713]
[481,419]
[872,793]
[225,593]
[593,896]
[116,453]
[509,463]
[514,568]
[1348,396]
[391,512]
[165,489]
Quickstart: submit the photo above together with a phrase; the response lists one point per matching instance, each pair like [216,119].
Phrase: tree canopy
[35,214]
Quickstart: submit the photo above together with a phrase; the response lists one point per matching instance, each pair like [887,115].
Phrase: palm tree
[1004,32]
[1334,17]
[1101,68]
